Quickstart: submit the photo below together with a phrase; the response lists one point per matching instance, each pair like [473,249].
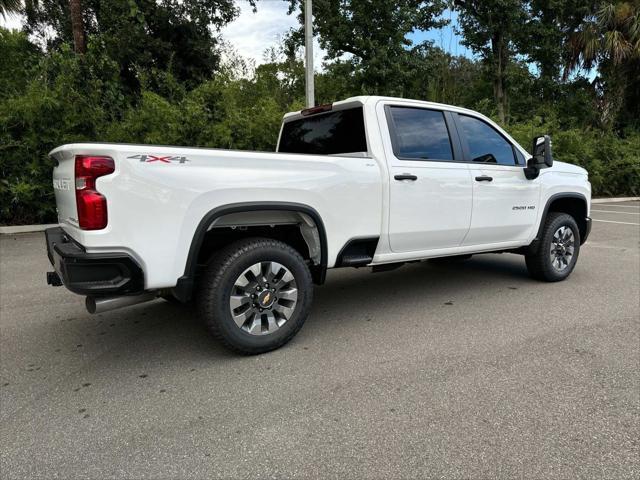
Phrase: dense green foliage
[154,72]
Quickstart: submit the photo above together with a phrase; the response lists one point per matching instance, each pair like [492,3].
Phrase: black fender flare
[184,287]
[545,212]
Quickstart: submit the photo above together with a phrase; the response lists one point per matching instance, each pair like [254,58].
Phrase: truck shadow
[348,295]
[429,278]
[165,333]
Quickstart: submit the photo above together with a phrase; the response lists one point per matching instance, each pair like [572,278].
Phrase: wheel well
[301,228]
[218,238]
[574,206]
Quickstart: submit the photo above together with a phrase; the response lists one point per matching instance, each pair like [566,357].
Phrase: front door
[505,203]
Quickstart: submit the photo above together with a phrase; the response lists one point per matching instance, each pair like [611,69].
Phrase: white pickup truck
[369,181]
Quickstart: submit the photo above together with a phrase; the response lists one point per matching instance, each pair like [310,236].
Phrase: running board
[357,252]
[386,267]
[356,261]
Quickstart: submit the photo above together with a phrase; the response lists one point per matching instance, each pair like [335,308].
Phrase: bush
[613,163]
[47,100]
[68,99]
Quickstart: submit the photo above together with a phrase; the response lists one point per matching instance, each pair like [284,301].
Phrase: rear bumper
[92,273]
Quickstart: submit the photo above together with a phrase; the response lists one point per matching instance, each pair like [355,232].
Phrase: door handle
[406,176]
[484,178]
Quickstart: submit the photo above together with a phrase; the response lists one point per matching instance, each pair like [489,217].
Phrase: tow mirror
[541,151]
[541,156]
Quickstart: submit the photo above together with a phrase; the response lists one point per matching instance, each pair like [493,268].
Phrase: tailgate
[64,186]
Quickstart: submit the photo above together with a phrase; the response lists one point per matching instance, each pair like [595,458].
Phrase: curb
[42,228]
[25,229]
[611,200]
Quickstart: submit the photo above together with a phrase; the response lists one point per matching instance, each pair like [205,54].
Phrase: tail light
[92,206]
[327,107]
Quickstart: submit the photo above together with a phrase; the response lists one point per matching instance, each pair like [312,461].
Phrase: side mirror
[541,158]
[541,151]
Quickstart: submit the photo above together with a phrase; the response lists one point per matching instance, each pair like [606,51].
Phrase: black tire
[217,284]
[540,264]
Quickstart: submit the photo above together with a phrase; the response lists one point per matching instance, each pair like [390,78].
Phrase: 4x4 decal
[165,159]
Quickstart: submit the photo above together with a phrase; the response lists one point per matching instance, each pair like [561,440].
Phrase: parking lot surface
[467,370]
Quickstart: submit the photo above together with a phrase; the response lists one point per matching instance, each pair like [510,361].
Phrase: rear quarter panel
[155,206]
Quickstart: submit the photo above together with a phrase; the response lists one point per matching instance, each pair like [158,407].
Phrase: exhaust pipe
[105,304]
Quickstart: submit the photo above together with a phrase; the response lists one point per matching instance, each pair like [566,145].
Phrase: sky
[446,38]
[252,33]
[11,22]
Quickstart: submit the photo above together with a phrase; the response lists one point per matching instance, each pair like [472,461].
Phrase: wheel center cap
[265,299]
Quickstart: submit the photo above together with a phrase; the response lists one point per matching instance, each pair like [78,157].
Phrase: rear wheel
[558,249]
[255,295]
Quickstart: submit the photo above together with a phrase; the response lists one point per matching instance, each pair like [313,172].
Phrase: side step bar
[356,260]
[357,252]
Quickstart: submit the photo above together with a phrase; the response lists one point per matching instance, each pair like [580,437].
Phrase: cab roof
[373,99]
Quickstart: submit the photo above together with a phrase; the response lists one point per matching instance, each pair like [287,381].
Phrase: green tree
[370,36]
[490,28]
[175,35]
[77,26]
[608,39]
[541,39]
[8,7]
[440,77]
[18,58]
[67,98]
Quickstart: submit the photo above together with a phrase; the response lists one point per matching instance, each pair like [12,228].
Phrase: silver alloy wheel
[562,248]
[263,298]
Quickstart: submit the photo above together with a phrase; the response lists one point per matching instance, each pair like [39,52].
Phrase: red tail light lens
[92,206]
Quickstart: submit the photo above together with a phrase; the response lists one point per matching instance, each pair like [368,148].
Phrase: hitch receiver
[53,279]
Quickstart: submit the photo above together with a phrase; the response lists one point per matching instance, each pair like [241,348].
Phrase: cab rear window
[335,132]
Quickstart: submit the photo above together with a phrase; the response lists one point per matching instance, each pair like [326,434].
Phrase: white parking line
[615,200]
[616,205]
[611,221]
[618,213]
[611,247]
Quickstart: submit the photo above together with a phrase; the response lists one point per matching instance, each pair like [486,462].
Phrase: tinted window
[486,145]
[420,134]
[328,133]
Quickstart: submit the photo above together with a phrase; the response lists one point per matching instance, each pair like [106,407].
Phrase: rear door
[505,203]
[430,190]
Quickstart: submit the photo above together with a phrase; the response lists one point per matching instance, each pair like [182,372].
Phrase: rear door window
[420,134]
[335,132]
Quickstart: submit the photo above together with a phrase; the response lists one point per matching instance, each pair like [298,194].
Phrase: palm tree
[8,7]
[609,40]
[77,26]
[612,34]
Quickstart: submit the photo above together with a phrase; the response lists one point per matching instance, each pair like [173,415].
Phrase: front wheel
[255,295]
[557,252]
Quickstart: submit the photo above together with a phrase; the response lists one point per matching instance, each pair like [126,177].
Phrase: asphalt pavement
[468,370]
